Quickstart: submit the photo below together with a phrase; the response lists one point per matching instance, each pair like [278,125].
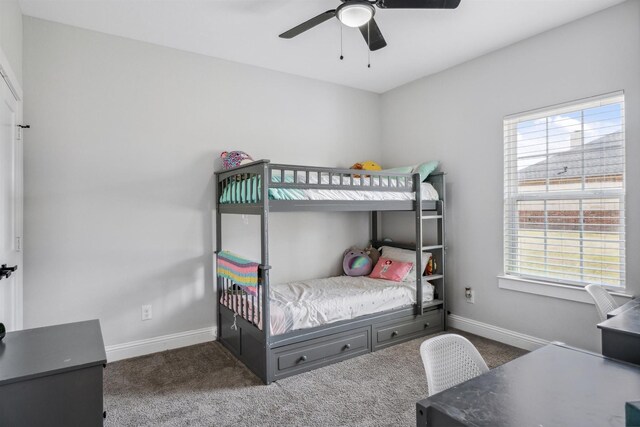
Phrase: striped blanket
[240,271]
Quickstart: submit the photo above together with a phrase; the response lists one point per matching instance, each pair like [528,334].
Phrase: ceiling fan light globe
[356,14]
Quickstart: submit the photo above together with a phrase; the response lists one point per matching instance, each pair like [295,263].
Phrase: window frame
[511,279]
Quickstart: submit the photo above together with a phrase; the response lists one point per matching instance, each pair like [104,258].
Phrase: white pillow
[406,255]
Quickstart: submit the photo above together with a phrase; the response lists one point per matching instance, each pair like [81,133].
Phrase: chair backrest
[604,302]
[450,360]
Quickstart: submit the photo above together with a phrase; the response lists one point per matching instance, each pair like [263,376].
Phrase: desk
[555,386]
[624,307]
[52,376]
[621,336]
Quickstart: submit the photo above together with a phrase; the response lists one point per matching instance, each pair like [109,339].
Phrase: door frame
[8,75]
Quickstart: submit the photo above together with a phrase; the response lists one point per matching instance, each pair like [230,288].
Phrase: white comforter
[428,193]
[310,303]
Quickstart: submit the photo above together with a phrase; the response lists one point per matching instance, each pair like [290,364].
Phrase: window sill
[552,290]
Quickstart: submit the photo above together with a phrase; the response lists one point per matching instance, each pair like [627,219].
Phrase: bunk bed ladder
[438,215]
[419,267]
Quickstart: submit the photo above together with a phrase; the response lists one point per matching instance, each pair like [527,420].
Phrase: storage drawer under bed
[321,351]
[390,333]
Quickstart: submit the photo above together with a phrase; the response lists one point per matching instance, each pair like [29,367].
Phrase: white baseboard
[496,333]
[183,339]
[153,345]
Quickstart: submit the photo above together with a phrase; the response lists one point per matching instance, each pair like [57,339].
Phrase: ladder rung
[431,217]
[428,248]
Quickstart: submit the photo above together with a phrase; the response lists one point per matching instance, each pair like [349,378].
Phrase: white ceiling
[420,42]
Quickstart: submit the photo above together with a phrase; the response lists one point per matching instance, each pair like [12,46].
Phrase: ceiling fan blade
[417,4]
[307,25]
[371,32]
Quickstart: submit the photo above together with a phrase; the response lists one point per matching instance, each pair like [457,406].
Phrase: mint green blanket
[250,191]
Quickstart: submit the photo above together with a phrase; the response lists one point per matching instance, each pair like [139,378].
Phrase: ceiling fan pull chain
[369,44]
[341,56]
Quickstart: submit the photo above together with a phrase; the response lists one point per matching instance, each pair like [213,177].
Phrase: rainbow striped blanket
[240,271]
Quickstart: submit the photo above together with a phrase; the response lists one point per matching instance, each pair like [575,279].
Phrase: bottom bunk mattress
[310,303]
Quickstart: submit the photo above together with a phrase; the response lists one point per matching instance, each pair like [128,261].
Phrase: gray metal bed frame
[272,357]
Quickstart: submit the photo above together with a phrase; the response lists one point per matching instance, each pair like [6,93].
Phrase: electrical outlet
[146,312]
[469,295]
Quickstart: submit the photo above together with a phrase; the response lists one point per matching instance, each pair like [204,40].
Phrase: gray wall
[456,116]
[11,34]
[119,165]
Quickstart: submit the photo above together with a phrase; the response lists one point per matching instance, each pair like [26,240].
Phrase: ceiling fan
[359,13]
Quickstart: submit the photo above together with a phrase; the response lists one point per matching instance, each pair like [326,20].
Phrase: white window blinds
[564,188]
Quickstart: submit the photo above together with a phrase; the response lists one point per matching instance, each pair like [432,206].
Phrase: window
[564,193]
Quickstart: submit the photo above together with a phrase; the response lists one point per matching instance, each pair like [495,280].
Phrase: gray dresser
[52,376]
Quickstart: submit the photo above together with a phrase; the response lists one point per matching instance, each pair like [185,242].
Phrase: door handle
[6,272]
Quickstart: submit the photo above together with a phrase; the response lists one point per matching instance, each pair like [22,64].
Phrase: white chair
[450,360]
[604,302]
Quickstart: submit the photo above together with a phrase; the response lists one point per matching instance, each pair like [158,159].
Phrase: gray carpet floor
[204,385]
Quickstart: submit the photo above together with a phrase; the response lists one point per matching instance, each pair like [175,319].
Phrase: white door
[10,209]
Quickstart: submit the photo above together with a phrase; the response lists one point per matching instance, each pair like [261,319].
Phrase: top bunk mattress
[247,191]
[310,303]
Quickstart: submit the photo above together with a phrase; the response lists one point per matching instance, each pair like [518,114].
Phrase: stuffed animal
[431,266]
[356,262]
[373,253]
[369,165]
[234,159]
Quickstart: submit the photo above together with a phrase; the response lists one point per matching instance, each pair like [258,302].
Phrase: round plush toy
[356,262]
[234,159]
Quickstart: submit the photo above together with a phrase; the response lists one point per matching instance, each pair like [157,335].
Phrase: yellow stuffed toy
[369,165]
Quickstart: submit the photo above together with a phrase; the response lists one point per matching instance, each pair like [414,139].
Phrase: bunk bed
[258,327]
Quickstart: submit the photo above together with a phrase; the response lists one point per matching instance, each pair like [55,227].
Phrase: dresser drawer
[407,328]
[322,351]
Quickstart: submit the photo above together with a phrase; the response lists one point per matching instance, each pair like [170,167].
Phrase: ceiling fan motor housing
[355,13]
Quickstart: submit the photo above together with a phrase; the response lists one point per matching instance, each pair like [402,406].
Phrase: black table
[624,307]
[52,376]
[553,386]
[621,335]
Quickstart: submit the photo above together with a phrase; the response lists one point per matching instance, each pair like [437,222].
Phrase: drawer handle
[426,325]
[347,347]
[394,333]
[303,358]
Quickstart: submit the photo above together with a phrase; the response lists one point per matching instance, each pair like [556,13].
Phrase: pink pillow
[390,269]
